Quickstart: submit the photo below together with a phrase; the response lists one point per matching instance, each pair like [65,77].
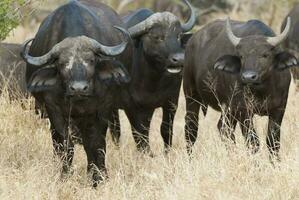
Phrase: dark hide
[151,86]
[53,85]
[292,42]
[216,75]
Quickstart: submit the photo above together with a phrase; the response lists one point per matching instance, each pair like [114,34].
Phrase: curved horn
[191,22]
[37,61]
[233,39]
[112,50]
[145,25]
[281,37]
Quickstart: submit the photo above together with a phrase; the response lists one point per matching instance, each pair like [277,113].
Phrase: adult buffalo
[292,41]
[74,75]
[12,70]
[158,58]
[238,68]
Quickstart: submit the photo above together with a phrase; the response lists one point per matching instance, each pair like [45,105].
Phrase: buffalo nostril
[85,88]
[253,77]
[174,60]
[250,76]
[72,88]
[177,58]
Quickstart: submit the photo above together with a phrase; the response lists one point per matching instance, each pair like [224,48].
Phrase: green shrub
[9,16]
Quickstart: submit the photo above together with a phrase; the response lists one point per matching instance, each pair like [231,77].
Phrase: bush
[9,16]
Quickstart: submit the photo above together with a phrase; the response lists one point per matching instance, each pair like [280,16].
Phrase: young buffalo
[238,68]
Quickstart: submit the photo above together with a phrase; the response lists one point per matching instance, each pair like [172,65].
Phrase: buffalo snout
[250,77]
[176,63]
[177,59]
[79,88]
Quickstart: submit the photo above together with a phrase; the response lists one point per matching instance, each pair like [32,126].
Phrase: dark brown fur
[204,86]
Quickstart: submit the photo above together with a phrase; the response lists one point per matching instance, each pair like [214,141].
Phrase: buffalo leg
[191,122]
[94,142]
[226,126]
[62,143]
[249,133]
[273,136]
[64,149]
[114,126]
[169,111]
[140,122]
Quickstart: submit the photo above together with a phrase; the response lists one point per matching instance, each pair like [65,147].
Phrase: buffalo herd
[86,62]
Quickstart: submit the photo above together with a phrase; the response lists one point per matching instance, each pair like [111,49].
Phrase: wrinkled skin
[251,78]
[156,76]
[79,84]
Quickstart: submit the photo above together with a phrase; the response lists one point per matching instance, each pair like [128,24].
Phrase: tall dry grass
[29,170]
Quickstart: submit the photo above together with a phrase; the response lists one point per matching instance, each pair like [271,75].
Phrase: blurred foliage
[9,16]
[272,12]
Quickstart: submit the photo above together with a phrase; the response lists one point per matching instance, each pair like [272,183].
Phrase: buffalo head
[76,62]
[161,35]
[256,56]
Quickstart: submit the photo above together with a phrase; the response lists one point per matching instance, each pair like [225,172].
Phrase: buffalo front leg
[114,126]
[251,138]
[64,149]
[273,136]
[62,143]
[191,122]
[94,142]
[169,111]
[226,126]
[140,123]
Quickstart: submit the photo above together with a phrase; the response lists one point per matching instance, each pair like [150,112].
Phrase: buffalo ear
[111,71]
[185,38]
[43,79]
[285,60]
[228,63]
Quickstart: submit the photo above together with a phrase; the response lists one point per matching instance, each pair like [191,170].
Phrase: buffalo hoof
[116,142]
[66,174]
[146,151]
[167,150]
[274,159]
[99,177]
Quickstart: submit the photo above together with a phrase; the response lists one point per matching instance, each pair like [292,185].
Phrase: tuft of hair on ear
[42,79]
[112,71]
[285,60]
[228,63]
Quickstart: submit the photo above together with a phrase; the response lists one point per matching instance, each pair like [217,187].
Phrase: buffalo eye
[92,60]
[265,55]
[158,38]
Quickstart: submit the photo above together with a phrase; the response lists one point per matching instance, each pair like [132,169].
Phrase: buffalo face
[162,46]
[256,56]
[161,36]
[76,63]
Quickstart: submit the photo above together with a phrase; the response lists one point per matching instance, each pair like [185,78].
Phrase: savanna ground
[29,170]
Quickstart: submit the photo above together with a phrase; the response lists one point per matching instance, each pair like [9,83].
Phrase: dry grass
[28,170]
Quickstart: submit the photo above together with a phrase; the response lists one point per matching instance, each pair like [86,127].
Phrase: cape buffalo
[158,59]
[237,68]
[12,70]
[292,41]
[75,76]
